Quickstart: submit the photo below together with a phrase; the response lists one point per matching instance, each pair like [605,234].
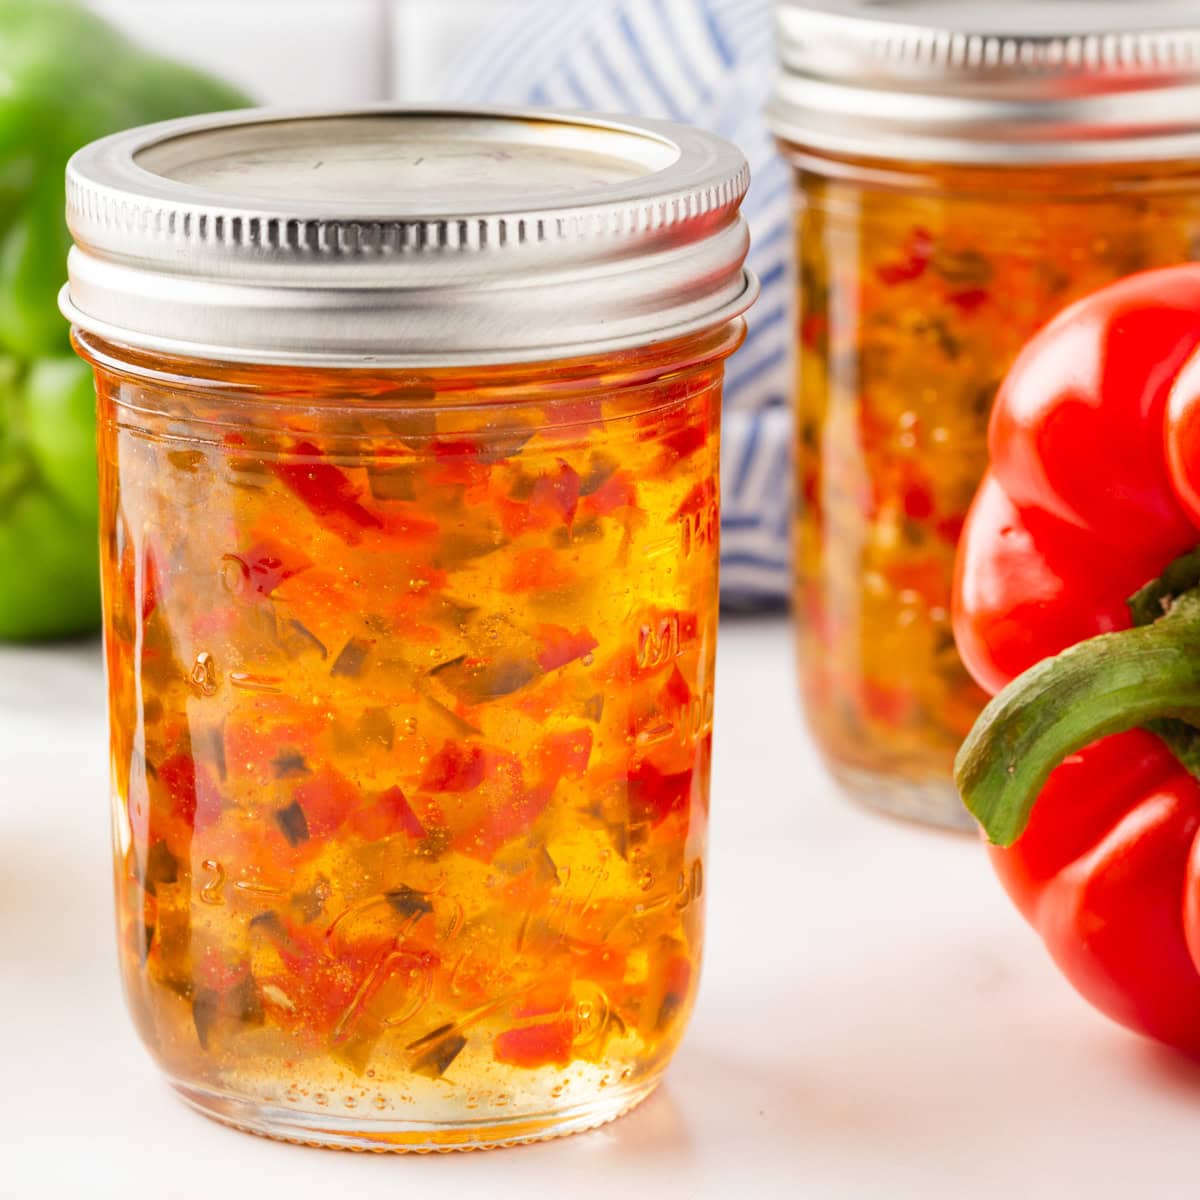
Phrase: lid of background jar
[1000,81]
[415,237]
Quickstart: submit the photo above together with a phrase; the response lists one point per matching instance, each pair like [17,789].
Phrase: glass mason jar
[409,616]
[949,202]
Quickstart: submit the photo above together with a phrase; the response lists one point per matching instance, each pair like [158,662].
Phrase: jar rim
[565,378]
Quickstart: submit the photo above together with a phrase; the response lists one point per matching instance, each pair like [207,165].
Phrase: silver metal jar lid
[421,237]
[991,81]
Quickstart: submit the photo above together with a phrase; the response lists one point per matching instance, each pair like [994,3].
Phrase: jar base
[923,801]
[409,1137]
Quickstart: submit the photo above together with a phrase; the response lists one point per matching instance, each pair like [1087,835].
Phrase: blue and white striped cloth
[706,63]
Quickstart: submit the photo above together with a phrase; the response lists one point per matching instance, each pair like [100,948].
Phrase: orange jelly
[411,702]
[411,719]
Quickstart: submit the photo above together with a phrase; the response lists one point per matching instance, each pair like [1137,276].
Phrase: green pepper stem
[1145,676]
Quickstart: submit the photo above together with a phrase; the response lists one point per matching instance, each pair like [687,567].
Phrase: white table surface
[874,1020]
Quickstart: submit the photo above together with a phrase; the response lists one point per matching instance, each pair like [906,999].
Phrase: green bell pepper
[68,78]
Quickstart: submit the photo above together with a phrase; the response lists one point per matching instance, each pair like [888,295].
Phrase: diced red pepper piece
[559,646]
[390,814]
[194,794]
[454,448]
[918,502]
[700,500]
[686,441]
[888,705]
[327,492]
[548,998]
[214,972]
[321,984]
[178,775]
[913,261]
[327,798]
[616,492]
[538,570]
[547,1044]
[151,583]
[500,825]
[395,804]
[925,576]
[565,754]
[266,564]
[675,693]
[552,500]
[405,524]
[455,768]
[654,796]
[811,492]
[814,328]
[558,492]
[515,515]
[950,528]
[969,299]
[512,805]
[462,462]
[295,945]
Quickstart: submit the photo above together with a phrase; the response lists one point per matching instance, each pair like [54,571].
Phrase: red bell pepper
[1078,594]
[327,492]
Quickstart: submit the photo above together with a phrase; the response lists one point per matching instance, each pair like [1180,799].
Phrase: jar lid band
[416,237]
[983,81]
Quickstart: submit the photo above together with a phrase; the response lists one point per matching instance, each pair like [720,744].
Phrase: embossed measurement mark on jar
[659,547]
[401,980]
[658,641]
[234,575]
[698,529]
[660,731]
[255,683]
[696,718]
[693,720]
[687,890]
[210,890]
[571,909]
[258,888]
[203,675]
[592,1011]
[472,970]
[397,983]
[433,1052]
[411,905]
[563,911]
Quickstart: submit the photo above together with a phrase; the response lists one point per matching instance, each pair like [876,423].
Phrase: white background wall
[317,51]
